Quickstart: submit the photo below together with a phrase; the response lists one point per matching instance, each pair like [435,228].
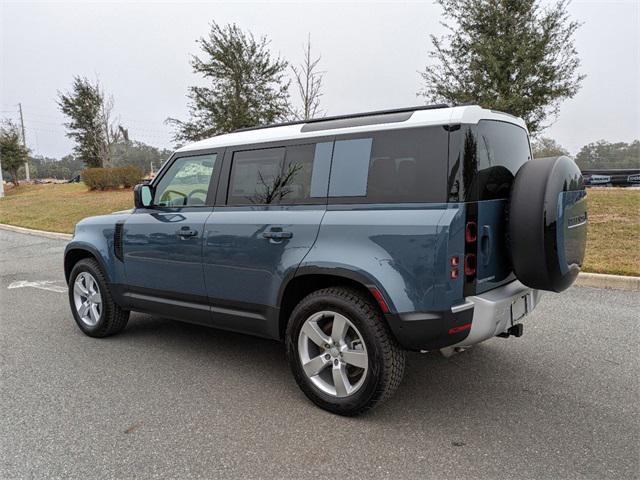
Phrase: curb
[603,280]
[597,280]
[37,233]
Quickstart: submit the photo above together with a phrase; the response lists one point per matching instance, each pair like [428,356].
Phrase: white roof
[420,118]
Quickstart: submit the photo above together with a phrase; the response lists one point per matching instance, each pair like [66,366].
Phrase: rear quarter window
[396,166]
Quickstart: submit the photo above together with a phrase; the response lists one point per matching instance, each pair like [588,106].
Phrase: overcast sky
[371,51]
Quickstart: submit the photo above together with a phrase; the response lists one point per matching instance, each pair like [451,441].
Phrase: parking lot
[173,400]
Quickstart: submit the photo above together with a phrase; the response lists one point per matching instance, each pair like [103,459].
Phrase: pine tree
[246,87]
[84,106]
[510,55]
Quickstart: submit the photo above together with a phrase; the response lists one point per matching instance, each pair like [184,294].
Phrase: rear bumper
[478,318]
[492,311]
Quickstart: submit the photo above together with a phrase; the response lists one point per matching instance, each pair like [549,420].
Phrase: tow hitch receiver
[515,331]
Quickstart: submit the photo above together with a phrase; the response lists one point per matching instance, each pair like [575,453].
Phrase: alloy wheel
[333,354]
[87,299]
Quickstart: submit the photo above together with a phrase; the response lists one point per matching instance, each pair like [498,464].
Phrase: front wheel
[91,303]
[341,352]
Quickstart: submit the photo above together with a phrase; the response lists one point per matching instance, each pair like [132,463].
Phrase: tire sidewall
[370,387]
[89,267]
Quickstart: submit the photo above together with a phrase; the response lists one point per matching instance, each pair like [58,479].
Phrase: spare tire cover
[547,224]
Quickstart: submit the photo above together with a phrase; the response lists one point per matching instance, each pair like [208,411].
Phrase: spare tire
[547,223]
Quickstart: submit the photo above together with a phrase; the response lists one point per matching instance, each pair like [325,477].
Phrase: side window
[282,175]
[391,167]
[350,168]
[186,183]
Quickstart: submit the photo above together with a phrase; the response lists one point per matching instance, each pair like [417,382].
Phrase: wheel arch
[310,279]
[74,253]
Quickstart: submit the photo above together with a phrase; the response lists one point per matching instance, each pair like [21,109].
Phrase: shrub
[104,178]
[128,176]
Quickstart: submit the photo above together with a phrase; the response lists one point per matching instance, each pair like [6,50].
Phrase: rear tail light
[470,264]
[471,232]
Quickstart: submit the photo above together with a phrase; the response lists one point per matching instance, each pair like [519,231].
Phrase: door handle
[185,232]
[277,235]
[486,244]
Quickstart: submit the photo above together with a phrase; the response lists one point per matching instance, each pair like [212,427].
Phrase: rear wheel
[341,352]
[91,303]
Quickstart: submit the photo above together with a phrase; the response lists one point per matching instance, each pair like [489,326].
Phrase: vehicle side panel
[95,235]
[403,249]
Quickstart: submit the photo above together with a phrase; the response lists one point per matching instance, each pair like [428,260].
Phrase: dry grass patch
[613,241]
[58,207]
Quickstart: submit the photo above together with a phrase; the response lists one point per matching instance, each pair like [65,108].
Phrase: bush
[128,176]
[104,178]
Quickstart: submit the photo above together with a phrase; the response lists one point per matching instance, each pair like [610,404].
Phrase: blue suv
[350,238]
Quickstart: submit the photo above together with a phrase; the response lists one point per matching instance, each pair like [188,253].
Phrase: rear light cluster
[470,238]
[454,273]
[469,267]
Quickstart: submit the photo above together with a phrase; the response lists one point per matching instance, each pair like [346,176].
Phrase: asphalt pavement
[166,399]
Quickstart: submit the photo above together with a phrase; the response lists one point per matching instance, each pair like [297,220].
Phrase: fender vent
[117,241]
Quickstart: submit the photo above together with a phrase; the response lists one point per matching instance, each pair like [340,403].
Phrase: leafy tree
[64,168]
[138,154]
[13,154]
[308,81]
[606,155]
[547,147]
[246,85]
[511,55]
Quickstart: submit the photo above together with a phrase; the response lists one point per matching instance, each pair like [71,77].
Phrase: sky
[371,52]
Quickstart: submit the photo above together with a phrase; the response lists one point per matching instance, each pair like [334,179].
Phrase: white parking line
[42,285]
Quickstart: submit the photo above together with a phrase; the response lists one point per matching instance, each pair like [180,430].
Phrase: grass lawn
[613,244]
[58,207]
[613,241]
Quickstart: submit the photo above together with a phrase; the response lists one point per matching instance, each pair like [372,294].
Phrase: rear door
[502,149]
[162,244]
[266,219]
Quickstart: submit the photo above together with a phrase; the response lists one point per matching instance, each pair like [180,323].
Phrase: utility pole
[1,181]
[24,143]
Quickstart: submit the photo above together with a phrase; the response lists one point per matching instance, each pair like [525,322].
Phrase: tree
[547,147]
[84,106]
[511,55]
[308,81]
[90,122]
[13,154]
[247,86]
[606,155]
[138,154]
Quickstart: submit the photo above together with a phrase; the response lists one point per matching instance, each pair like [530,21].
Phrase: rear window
[502,149]
[398,166]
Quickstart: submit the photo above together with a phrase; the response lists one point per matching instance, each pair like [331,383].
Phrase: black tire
[386,359]
[112,319]
[547,223]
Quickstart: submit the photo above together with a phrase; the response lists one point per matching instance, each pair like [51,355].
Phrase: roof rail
[351,115]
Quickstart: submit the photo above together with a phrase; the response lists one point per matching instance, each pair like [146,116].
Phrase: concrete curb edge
[603,280]
[38,233]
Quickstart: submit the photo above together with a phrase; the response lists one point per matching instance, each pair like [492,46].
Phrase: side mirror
[142,195]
